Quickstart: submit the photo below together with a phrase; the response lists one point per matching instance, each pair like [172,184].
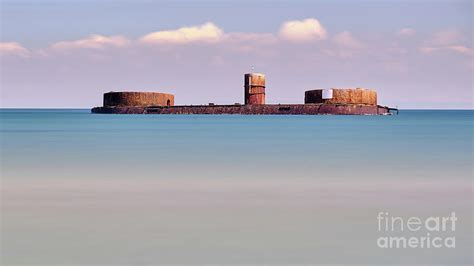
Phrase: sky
[66,54]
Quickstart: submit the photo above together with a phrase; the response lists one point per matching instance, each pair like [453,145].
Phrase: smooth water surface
[92,189]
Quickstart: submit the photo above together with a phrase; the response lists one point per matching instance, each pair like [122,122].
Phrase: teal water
[81,188]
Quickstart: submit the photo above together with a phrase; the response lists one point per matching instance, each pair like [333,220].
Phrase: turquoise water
[81,188]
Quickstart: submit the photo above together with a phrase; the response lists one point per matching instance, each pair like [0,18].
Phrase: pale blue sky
[428,67]
[37,23]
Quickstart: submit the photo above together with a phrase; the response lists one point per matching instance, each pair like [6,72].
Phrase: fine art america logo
[416,232]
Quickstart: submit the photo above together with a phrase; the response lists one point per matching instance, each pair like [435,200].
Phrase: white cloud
[13,48]
[460,49]
[92,42]
[302,30]
[253,38]
[447,40]
[206,33]
[446,37]
[258,43]
[406,32]
[454,48]
[343,45]
[345,39]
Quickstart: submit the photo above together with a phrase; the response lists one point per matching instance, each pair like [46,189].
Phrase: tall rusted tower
[254,88]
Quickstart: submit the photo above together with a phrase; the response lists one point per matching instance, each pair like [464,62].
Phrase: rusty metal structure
[254,88]
[140,99]
[334,101]
[341,96]
[254,109]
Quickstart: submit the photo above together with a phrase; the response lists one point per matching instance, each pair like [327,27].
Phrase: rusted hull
[254,88]
[138,99]
[255,98]
[343,96]
[267,109]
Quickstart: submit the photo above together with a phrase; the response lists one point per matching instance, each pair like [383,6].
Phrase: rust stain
[254,88]
[138,99]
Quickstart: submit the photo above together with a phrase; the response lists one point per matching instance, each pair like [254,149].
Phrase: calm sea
[91,189]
